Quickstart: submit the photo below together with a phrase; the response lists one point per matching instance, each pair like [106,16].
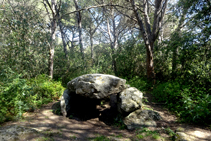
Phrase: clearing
[58,128]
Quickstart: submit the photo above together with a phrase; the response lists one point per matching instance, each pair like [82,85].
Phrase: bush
[139,83]
[168,92]
[191,104]
[14,92]
[18,95]
[44,90]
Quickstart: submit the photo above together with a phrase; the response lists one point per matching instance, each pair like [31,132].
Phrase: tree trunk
[63,39]
[149,47]
[91,41]
[150,31]
[113,39]
[72,42]
[113,59]
[52,42]
[79,28]
[160,38]
[150,63]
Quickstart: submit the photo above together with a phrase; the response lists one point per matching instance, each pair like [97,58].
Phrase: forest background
[159,46]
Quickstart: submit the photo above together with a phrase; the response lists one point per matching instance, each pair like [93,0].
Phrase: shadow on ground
[103,112]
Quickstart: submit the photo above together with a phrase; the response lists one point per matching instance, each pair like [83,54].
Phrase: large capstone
[97,86]
[129,100]
[141,118]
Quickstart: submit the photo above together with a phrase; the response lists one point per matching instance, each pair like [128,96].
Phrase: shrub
[13,95]
[139,83]
[191,104]
[44,90]
[18,95]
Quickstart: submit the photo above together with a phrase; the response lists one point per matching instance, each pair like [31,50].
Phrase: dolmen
[87,91]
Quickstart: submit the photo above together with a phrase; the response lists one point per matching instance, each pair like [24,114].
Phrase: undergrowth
[139,83]
[191,104]
[18,95]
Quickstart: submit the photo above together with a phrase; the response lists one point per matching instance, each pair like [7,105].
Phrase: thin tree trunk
[79,28]
[113,41]
[63,39]
[113,59]
[51,54]
[114,47]
[91,41]
[150,64]
[72,42]
[160,38]
[52,42]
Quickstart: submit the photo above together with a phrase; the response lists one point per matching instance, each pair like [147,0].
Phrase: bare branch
[87,8]
[98,23]
[140,23]
[46,10]
[139,8]
[163,9]
[60,3]
[150,2]
[126,15]
[49,5]
[109,30]
[146,18]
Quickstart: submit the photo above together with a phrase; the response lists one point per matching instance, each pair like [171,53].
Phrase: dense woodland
[159,46]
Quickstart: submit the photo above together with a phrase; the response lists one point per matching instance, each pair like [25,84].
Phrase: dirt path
[59,128]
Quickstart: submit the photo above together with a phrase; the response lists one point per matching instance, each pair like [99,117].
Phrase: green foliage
[44,90]
[101,138]
[145,132]
[139,83]
[18,95]
[171,133]
[14,93]
[118,122]
[191,104]
[23,42]
[130,59]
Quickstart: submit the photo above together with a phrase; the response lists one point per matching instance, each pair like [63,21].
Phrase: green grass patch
[101,138]
[146,133]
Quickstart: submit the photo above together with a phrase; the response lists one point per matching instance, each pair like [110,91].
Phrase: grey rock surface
[97,86]
[129,100]
[14,133]
[141,118]
[65,102]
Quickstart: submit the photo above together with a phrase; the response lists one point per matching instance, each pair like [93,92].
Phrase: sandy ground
[59,128]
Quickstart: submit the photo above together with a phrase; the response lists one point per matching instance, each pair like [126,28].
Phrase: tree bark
[79,28]
[91,42]
[149,48]
[150,31]
[113,40]
[53,36]
[92,32]
[63,39]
